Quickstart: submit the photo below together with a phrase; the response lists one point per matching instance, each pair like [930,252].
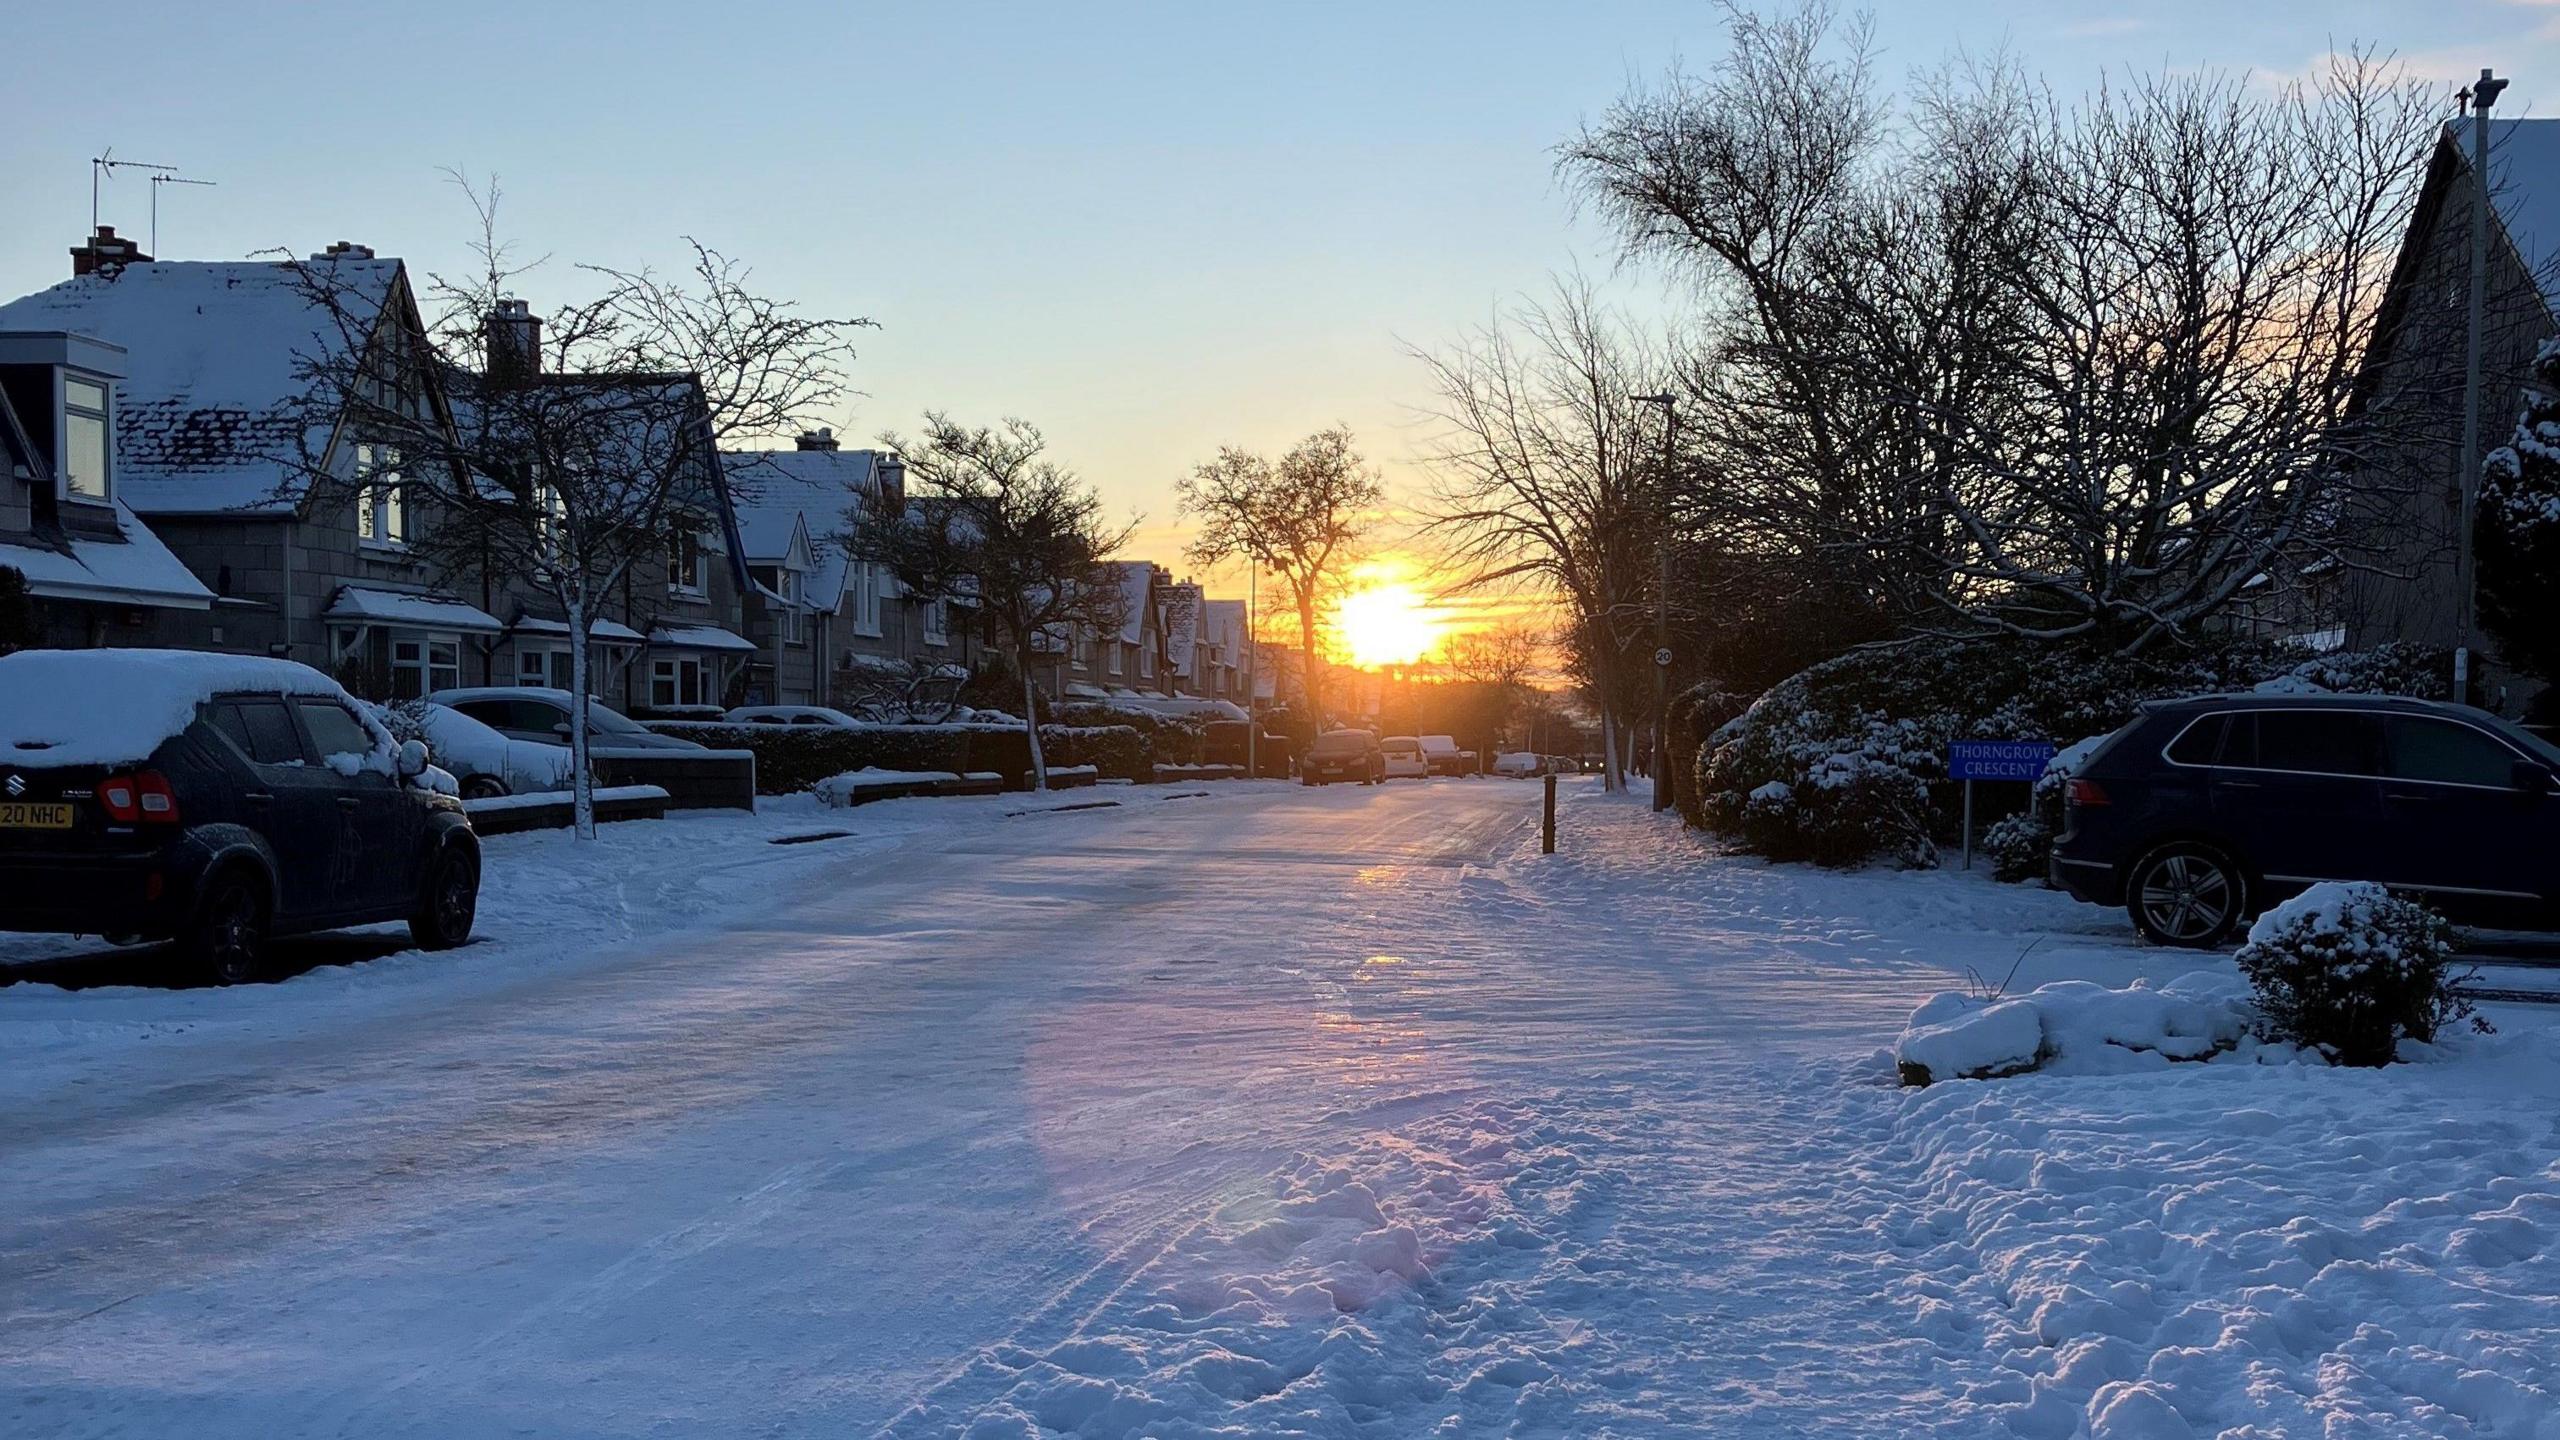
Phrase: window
[789,590]
[424,664]
[1146,662]
[2319,742]
[937,623]
[333,730]
[261,728]
[543,667]
[382,505]
[866,599]
[1112,649]
[684,563]
[84,438]
[2200,743]
[675,681]
[2444,753]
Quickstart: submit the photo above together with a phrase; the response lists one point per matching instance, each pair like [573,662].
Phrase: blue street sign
[1997,759]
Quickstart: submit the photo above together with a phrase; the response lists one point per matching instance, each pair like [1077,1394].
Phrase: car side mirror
[562,730]
[414,759]
[2533,779]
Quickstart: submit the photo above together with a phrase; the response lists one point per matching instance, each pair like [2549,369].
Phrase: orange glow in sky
[1384,621]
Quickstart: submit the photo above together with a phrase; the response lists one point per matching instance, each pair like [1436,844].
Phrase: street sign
[1997,759]
[1662,656]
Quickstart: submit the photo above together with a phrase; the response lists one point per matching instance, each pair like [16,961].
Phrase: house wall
[2407,503]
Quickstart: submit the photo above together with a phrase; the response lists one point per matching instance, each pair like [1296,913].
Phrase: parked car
[1231,742]
[1344,755]
[2204,811]
[791,715]
[1519,764]
[1444,756]
[1403,759]
[217,800]
[532,713]
[483,762]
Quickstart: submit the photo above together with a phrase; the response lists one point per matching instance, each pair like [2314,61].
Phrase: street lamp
[1662,605]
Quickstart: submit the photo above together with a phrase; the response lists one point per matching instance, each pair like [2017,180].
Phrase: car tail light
[2087,792]
[142,798]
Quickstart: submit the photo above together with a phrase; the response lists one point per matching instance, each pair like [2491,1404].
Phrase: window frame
[104,413]
[424,662]
[2379,718]
[382,510]
[685,556]
[2514,756]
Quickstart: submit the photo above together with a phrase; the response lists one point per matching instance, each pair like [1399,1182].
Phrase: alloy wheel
[2188,898]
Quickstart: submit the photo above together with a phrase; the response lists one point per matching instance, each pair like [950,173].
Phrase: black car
[2203,812]
[1344,755]
[273,810]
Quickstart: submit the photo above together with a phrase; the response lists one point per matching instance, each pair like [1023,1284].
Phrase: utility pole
[2482,94]
[1252,679]
[1662,601]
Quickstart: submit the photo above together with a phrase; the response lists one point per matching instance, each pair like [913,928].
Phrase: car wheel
[226,940]
[483,787]
[2187,895]
[450,901]
[1307,780]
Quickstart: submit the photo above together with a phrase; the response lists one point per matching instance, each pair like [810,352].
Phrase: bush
[2018,845]
[1858,743]
[2349,969]
[1694,714]
[1116,752]
[1171,739]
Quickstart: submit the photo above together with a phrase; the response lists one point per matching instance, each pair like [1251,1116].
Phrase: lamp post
[2482,94]
[1662,603]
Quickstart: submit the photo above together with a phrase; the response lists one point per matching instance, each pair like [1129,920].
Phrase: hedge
[1171,739]
[791,758]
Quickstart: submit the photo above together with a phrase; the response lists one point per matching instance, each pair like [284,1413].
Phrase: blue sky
[1152,229]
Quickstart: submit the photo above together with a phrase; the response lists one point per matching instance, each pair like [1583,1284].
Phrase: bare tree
[1302,519]
[1548,470]
[570,449]
[991,522]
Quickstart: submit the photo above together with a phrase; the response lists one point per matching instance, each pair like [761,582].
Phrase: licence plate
[17,816]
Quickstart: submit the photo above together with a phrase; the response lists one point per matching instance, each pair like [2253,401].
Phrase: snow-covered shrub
[2349,969]
[1693,715]
[1116,752]
[2018,846]
[1170,739]
[1860,740]
[2396,668]
[2075,1027]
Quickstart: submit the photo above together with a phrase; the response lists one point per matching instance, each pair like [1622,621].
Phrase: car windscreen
[1342,742]
[611,722]
[2532,744]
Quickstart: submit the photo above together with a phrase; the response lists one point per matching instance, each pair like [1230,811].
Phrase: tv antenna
[157,181]
[103,167]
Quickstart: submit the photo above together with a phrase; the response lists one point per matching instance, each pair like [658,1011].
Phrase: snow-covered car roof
[114,707]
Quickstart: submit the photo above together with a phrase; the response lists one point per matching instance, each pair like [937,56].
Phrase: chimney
[346,250]
[105,254]
[818,439]
[515,341]
[893,484]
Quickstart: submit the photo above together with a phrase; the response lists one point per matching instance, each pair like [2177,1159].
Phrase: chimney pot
[347,249]
[821,438]
[515,341]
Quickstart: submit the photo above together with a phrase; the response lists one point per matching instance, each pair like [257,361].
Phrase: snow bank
[2077,1027]
[561,797]
[839,790]
[114,707]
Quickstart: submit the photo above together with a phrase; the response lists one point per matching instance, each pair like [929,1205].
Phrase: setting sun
[1387,623]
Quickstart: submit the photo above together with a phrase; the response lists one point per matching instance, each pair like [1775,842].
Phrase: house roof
[776,491]
[136,570]
[699,637]
[219,358]
[405,607]
[2524,191]
[1222,625]
[1137,587]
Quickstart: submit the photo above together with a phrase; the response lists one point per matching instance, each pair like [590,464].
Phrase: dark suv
[272,809]
[2204,811]
[1344,755]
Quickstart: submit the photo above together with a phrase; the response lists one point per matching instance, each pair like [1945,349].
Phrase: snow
[140,570]
[1329,1113]
[776,492]
[399,607]
[610,631]
[839,790]
[2079,1027]
[62,708]
[534,800]
[464,744]
[698,637]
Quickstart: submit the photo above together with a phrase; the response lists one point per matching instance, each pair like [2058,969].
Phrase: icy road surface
[1267,1112]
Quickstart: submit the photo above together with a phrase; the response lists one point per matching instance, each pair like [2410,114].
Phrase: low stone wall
[693,779]
[515,814]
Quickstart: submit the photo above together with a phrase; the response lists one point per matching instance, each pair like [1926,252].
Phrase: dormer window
[684,564]
[85,450]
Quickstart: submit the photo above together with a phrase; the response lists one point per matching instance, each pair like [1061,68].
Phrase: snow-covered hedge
[792,758]
[2351,970]
[1845,762]
[2080,1028]
[1170,739]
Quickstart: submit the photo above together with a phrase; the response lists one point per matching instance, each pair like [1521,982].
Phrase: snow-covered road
[1272,1111]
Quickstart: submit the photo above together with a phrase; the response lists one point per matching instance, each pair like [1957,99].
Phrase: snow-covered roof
[610,631]
[139,570]
[114,707]
[1137,586]
[699,637]
[1222,624]
[400,607]
[2524,191]
[218,355]
[777,492]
